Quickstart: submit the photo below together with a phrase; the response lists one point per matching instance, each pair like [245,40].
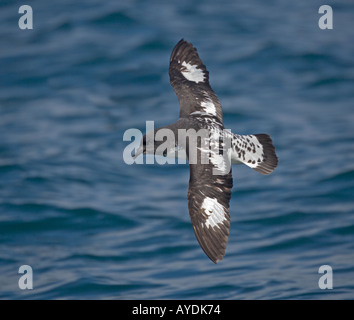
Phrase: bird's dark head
[149,144]
[142,147]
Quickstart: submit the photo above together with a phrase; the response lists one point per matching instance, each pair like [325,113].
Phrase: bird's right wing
[190,80]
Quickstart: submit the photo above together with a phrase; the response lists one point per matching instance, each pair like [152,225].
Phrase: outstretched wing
[208,202]
[190,80]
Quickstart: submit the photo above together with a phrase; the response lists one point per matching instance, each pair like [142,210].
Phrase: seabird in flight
[210,181]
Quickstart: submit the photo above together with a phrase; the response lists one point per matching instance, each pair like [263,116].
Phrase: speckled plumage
[210,183]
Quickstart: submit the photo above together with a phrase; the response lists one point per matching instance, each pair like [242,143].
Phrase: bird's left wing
[208,202]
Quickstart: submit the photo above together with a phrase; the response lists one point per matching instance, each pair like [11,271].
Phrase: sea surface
[93,227]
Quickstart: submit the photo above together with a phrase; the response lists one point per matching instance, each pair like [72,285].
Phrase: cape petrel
[209,191]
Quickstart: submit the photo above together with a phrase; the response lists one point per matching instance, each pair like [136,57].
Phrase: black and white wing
[190,80]
[208,202]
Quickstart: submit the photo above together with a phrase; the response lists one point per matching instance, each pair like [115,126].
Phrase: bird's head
[147,144]
[150,143]
[142,147]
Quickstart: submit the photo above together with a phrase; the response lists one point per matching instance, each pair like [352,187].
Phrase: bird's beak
[138,152]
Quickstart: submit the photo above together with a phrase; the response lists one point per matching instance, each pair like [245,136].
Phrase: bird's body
[211,156]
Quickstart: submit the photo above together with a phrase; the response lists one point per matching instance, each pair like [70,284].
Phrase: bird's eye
[144,144]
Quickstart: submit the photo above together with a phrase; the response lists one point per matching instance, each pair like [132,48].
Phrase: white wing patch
[221,162]
[222,166]
[192,73]
[208,105]
[215,212]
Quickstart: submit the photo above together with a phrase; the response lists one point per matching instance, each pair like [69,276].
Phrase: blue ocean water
[93,227]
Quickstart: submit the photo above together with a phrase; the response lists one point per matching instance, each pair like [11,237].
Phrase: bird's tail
[256,151]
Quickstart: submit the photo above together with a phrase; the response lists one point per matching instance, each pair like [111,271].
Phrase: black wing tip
[214,249]
[182,41]
[214,258]
[178,47]
[184,51]
[271,159]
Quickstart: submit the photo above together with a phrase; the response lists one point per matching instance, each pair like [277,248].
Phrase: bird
[211,180]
